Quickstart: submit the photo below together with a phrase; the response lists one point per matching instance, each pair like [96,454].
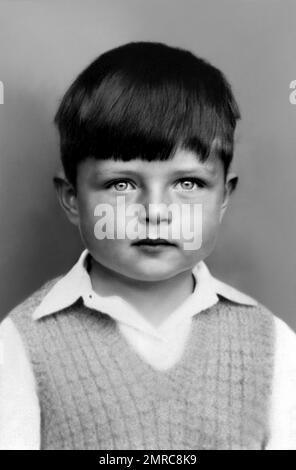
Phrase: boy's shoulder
[236,297]
[215,291]
[28,306]
[240,302]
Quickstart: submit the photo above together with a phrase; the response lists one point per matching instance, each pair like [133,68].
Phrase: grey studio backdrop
[43,46]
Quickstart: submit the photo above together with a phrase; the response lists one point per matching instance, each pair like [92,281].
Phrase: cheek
[210,223]
[87,219]
[99,222]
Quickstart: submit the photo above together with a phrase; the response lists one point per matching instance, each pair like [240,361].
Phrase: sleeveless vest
[96,392]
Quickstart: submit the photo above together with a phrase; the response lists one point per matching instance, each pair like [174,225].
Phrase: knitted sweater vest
[96,392]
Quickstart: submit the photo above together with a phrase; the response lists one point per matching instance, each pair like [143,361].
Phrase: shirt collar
[76,283]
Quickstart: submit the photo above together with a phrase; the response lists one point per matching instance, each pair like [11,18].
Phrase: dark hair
[146,99]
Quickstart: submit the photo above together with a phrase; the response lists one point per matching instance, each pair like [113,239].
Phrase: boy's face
[183,181]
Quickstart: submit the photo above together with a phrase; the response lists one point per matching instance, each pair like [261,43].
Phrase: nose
[156,207]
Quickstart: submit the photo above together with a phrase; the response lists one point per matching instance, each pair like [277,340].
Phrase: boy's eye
[188,184]
[120,185]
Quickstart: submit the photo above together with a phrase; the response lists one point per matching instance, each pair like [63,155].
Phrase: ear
[67,196]
[229,187]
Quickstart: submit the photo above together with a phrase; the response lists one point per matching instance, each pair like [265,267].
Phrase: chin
[152,275]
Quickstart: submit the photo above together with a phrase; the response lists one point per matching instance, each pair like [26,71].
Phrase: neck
[155,300]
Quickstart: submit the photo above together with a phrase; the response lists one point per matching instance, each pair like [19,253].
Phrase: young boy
[138,346]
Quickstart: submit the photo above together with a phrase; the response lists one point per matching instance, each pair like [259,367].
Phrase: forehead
[182,161]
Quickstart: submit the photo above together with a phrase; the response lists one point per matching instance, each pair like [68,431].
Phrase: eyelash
[199,183]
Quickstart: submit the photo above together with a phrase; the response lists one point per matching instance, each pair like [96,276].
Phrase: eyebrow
[183,171]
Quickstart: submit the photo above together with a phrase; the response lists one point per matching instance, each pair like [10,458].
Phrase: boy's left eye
[188,184]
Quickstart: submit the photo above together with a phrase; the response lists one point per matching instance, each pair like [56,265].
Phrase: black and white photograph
[148,227]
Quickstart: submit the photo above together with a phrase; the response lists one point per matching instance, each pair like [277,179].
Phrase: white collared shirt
[161,346]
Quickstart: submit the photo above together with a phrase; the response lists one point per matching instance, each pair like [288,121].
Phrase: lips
[153,242]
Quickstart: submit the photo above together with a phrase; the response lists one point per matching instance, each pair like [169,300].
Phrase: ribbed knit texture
[97,393]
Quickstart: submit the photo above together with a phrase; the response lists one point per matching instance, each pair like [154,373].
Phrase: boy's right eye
[119,185]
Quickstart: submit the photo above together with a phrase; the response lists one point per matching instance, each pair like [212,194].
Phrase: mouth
[153,242]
